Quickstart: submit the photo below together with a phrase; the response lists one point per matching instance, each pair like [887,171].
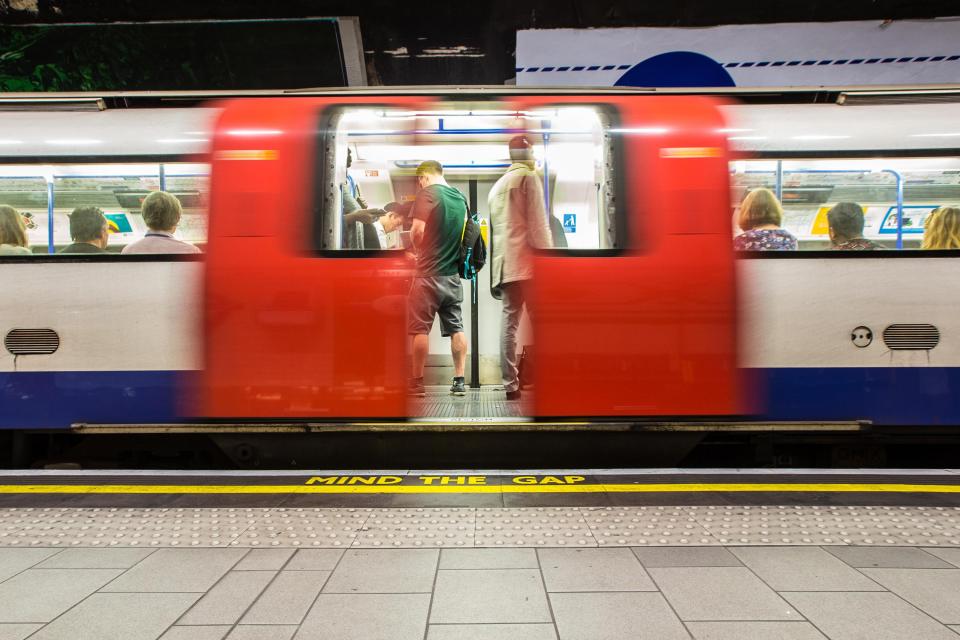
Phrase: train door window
[574,147]
[367,169]
[883,189]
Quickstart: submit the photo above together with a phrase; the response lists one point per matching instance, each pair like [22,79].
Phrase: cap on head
[520,142]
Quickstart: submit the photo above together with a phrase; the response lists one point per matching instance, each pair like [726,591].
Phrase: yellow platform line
[819,487]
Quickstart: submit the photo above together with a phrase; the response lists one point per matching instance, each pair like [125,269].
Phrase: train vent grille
[911,336]
[31,342]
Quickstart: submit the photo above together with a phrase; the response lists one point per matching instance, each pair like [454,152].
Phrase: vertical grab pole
[779,184]
[163,178]
[49,214]
[474,308]
[899,178]
[545,124]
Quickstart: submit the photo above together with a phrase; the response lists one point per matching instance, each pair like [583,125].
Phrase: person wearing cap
[518,223]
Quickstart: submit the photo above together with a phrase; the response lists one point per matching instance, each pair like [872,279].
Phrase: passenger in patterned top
[760,218]
[845,220]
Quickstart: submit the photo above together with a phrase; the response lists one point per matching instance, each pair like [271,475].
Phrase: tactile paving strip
[481,527]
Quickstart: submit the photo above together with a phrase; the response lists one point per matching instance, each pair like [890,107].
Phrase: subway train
[642,312]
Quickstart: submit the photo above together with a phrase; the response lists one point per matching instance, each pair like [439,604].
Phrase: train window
[46,195]
[28,195]
[885,190]
[368,157]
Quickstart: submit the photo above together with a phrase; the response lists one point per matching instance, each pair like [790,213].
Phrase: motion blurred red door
[292,331]
[645,328]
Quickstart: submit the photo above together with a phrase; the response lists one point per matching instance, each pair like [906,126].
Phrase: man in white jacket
[518,224]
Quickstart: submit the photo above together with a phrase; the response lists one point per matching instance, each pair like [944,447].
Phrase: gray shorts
[431,296]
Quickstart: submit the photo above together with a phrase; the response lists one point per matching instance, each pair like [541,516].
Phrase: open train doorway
[535,180]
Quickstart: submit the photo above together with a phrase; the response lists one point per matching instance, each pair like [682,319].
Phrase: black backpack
[473,251]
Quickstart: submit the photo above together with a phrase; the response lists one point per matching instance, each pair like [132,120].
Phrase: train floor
[505,554]
[486,402]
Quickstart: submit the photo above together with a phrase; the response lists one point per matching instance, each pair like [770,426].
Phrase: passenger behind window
[760,218]
[942,229]
[518,223]
[88,230]
[13,233]
[161,213]
[375,233]
[845,220]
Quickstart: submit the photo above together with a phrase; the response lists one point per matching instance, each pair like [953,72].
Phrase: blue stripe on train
[886,395]
[45,399]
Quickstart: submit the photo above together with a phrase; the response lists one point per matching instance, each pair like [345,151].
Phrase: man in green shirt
[438,213]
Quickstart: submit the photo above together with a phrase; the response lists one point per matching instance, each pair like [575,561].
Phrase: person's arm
[417,228]
[536,213]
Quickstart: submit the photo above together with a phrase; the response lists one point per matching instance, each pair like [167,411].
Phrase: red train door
[646,325]
[292,330]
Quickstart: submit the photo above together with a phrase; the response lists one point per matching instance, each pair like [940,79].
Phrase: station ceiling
[417,43]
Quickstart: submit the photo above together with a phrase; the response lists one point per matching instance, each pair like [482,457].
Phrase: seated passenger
[161,213]
[375,233]
[760,219]
[13,233]
[88,230]
[846,228]
[942,229]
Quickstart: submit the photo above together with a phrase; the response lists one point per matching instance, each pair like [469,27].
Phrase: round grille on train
[902,337]
[31,342]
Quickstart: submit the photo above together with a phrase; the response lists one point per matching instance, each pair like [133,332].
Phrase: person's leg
[513,301]
[458,346]
[418,355]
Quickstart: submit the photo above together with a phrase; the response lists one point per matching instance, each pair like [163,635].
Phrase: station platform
[480,555]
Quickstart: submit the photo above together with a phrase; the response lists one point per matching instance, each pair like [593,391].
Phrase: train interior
[882,186]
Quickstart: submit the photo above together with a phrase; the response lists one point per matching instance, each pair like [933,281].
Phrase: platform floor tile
[212,632]
[13,561]
[119,616]
[17,631]
[935,591]
[593,570]
[950,555]
[616,616]
[492,632]
[264,560]
[40,595]
[384,571]
[464,596]
[395,616]
[888,557]
[651,557]
[867,616]
[803,569]
[110,558]
[262,632]
[228,599]
[754,631]
[287,599]
[178,570]
[487,558]
[720,593]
